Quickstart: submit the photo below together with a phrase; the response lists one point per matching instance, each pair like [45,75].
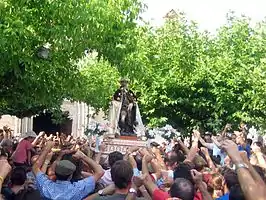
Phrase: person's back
[22,154]
[62,188]
[19,189]
[113,157]
[27,194]
[121,173]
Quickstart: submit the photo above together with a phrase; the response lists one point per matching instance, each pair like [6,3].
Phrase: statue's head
[124,82]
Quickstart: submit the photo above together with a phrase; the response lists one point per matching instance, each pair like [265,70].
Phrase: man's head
[64,170]
[113,157]
[173,158]
[30,136]
[230,177]
[199,163]
[122,173]
[233,137]
[18,176]
[1,134]
[258,140]
[183,171]
[138,159]
[240,137]
[182,189]
[208,137]
[3,153]
[124,82]
[236,193]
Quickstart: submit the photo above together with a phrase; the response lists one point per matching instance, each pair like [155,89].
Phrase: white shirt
[106,178]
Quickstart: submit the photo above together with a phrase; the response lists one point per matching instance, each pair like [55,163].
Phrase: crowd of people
[60,167]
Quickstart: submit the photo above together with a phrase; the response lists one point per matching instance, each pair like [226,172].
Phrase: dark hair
[249,141]
[121,173]
[4,152]
[103,163]
[79,165]
[62,177]
[113,157]
[18,176]
[138,160]
[236,193]
[174,157]
[183,171]
[183,189]
[230,177]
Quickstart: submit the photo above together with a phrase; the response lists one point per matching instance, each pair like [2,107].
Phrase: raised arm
[5,168]
[98,171]
[251,189]
[194,148]
[37,165]
[197,177]
[260,157]
[208,158]
[37,139]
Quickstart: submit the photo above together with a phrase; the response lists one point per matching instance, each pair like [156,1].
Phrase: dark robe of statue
[127,117]
[124,113]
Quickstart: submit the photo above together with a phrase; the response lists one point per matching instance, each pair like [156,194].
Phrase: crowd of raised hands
[62,167]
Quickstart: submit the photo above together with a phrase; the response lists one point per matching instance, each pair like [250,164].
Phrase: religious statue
[124,116]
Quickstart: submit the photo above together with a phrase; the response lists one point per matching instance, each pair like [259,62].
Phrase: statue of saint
[124,114]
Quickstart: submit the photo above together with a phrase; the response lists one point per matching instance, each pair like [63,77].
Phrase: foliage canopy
[184,77]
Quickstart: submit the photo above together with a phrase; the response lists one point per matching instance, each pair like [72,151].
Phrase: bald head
[182,189]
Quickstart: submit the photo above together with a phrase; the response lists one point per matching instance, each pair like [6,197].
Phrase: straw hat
[28,134]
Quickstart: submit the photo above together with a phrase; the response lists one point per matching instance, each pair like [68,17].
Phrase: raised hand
[79,155]
[196,134]
[50,144]
[41,134]
[204,150]
[139,180]
[197,176]
[133,149]
[232,150]
[148,158]
[256,148]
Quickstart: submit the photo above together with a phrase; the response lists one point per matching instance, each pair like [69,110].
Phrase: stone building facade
[79,113]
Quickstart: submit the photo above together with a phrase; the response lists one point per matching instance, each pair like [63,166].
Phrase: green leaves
[69,27]
[182,76]
[192,78]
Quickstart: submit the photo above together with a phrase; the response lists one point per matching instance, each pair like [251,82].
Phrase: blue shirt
[224,197]
[218,152]
[247,149]
[64,190]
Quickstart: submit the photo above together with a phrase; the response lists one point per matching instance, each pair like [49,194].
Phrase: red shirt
[161,195]
[20,155]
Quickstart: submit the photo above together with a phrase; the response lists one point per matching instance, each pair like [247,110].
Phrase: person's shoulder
[29,194]
[224,197]
[101,197]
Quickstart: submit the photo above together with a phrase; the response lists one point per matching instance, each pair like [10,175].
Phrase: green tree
[99,80]
[191,78]
[29,83]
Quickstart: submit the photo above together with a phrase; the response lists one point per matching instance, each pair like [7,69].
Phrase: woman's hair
[217,182]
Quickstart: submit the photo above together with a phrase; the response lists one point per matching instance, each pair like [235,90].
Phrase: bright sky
[209,14]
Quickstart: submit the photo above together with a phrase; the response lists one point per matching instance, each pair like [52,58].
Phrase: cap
[65,168]
[28,134]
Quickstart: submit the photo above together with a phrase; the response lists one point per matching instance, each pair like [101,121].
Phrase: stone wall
[79,112]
